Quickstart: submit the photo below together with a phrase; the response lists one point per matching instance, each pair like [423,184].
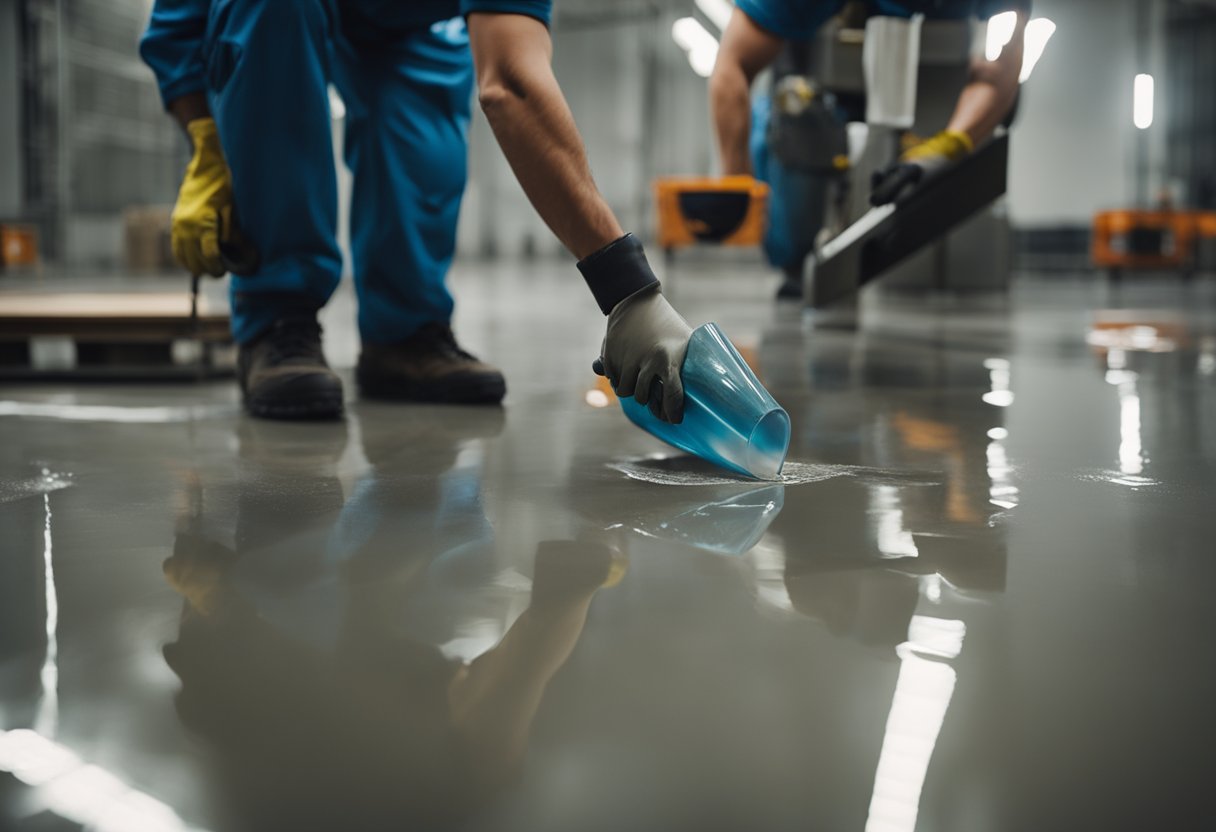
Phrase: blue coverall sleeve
[542,10]
[172,46]
[790,19]
[991,8]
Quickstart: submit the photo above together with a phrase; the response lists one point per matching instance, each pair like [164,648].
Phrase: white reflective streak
[1131,447]
[767,559]
[894,541]
[111,413]
[1206,365]
[47,719]
[1131,450]
[999,372]
[85,794]
[718,12]
[337,107]
[1001,490]
[918,710]
[942,637]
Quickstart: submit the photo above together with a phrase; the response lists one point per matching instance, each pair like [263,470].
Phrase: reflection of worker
[248,80]
[324,667]
[755,35]
[377,728]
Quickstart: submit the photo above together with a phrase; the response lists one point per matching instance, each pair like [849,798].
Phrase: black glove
[897,180]
[894,182]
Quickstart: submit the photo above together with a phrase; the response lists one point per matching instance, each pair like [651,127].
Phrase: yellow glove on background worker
[204,204]
[917,163]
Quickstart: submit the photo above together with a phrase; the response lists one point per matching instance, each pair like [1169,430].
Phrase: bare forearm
[981,107]
[533,125]
[731,106]
[746,50]
[992,90]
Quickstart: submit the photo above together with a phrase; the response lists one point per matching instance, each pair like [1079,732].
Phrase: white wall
[642,113]
[1074,146]
[10,112]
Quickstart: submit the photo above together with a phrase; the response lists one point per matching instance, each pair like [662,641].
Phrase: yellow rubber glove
[202,217]
[901,178]
[948,145]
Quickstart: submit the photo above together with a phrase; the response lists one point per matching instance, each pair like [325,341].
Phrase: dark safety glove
[899,179]
[644,347]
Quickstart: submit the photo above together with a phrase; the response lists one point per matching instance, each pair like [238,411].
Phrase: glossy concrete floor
[984,600]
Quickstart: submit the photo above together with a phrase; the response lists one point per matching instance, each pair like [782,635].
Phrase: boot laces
[441,338]
[294,340]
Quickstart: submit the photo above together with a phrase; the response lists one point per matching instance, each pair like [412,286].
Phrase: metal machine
[894,78]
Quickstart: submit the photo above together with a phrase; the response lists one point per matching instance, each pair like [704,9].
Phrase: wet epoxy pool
[986,603]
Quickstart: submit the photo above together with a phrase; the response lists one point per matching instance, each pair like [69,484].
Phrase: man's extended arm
[646,340]
[532,122]
[746,50]
[992,89]
[984,103]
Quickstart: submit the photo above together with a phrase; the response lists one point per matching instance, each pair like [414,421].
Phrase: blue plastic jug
[729,418]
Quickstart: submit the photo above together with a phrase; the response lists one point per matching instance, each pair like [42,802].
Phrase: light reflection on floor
[985,600]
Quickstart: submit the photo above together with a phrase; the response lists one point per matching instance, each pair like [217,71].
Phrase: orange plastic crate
[1115,233]
[728,210]
[18,245]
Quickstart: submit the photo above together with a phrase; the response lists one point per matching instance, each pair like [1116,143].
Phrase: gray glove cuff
[617,271]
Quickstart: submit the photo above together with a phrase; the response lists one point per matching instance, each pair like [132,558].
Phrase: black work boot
[791,284]
[283,373]
[429,366]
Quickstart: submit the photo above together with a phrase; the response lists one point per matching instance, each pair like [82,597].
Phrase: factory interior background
[978,596]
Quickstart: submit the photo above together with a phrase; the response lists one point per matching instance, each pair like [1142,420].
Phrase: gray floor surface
[983,599]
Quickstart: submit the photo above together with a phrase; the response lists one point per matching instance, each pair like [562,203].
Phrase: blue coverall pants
[407,94]
[797,200]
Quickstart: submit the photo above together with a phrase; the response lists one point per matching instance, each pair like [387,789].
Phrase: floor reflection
[537,619]
[360,660]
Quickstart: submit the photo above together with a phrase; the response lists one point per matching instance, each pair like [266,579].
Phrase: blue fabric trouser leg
[408,99]
[797,200]
[268,64]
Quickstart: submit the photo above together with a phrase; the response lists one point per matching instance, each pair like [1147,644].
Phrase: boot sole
[317,396]
[467,391]
[790,291]
[328,407]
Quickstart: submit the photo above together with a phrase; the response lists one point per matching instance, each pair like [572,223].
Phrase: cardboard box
[18,246]
[147,239]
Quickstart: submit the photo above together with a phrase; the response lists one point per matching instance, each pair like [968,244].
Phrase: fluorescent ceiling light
[1143,94]
[1000,32]
[695,39]
[718,12]
[1038,32]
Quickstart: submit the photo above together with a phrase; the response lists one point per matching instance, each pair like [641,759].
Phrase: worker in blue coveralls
[755,35]
[798,198]
[248,81]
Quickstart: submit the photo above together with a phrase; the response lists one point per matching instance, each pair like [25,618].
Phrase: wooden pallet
[143,334]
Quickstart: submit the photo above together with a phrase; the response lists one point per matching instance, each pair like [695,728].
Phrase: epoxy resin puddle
[688,470]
